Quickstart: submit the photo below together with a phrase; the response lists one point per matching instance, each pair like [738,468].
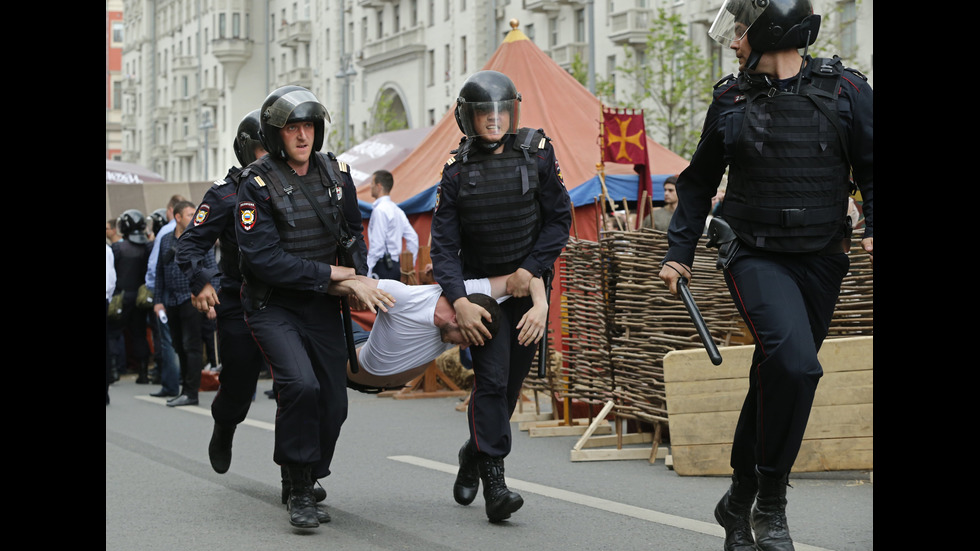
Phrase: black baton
[692,310]
[349,334]
[547,276]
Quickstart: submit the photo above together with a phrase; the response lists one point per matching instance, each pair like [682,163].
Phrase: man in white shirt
[386,229]
[417,323]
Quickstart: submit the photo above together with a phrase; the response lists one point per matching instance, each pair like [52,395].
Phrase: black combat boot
[468,477]
[734,511]
[219,450]
[769,514]
[302,509]
[501,502]
[319,494]
[142,370]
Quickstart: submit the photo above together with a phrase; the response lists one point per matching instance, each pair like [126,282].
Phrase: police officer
[297,212]
[502,208]
[791,130]
[131,254]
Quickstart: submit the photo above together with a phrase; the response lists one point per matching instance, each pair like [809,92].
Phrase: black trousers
[302,338]
[787,301]
[499,368]
[241,360]
[185,331]
[383,272]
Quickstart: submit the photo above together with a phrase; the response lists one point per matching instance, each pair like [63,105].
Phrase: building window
[462,54]
[432,117]
[529,31]
[552,32]
[579,25]
[431,62]
[236,25]
[397,11]
[221,25]
[448,60]
[381,24]
[117,32]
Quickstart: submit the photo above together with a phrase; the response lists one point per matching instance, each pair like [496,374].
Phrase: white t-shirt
[406,336]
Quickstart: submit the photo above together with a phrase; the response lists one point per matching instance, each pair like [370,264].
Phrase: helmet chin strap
[753,61]
[487,147]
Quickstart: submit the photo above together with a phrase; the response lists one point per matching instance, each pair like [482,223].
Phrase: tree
[670,79]
[386,115]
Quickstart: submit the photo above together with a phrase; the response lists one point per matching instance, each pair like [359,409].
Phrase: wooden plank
[852,387]
[624,454]
[576,430]
[635,438]
[825,422]
[549,422]
[848,354]
[595,424]
[524,419]
[815,456]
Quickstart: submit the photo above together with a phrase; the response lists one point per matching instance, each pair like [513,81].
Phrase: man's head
[174,199]
[293,124]
[754,27]
[183,214]
[450,332]
[670,192]
[381,183]
[248,145]
[159,218]
[132,225]
[488,107]
[111,234]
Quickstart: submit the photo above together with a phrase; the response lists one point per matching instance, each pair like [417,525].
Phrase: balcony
[184,148]
[210,96]
[161,113]
[300,76]
[294,34]
[400,47]
[565,53]
[373,3]
[185,63]
[630,27]
[232,50]
[542,6]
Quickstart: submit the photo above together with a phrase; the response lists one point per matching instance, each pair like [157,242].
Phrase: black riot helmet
[488,92]
[770,25]
[159,219]
[247,138]
[287,105]
[132,225]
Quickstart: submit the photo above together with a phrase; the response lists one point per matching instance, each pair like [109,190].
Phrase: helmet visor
[490,120]
[282,110]
[734,19]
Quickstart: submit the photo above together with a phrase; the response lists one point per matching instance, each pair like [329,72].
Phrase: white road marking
[207,411]
[593,502]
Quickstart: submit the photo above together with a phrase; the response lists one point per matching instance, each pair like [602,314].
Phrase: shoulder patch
[202,213]
[259,181]
[451,160]
[343,166]
[542,143]
[218,183]
[246,214]
[724,79]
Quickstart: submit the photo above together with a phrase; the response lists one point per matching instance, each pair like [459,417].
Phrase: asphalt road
[391,488]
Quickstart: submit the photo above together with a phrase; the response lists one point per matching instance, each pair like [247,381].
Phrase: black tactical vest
[499,212]
[788,175]
[301,233]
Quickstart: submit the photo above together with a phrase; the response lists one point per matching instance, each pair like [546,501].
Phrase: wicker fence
[619,321]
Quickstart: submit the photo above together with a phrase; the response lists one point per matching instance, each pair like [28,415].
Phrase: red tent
[552,100]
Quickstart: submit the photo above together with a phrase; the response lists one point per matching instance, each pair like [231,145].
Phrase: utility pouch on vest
[721,235]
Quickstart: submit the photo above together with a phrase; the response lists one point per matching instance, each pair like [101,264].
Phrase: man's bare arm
[364,292]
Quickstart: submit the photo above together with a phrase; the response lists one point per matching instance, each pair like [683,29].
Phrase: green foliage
[670,78]
[384,117]
[580,70]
